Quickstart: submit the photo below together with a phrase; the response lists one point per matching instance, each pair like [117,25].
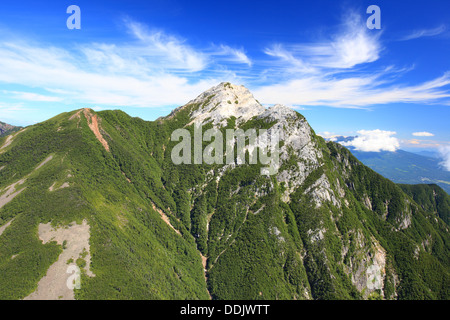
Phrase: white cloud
[444,152]
[31,96]
[288,62]
[167,48]
[374,141]
[326,134]
[104,74]
[353,45]
[425,33]
[155,69]
[423,134]
[351,92]
[331,73]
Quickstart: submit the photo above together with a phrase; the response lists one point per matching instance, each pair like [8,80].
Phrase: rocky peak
[224,101]
[279,112]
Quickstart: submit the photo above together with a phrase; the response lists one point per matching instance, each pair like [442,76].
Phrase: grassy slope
[257,248]
[135,254]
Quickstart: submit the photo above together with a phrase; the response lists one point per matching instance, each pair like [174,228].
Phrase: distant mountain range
[403,166]
[406,167]
[429,154]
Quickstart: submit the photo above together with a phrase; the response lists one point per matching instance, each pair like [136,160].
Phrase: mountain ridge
[323,227]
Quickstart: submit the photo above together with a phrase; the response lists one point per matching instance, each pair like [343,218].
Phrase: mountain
[429,154]
[406,167]
[6,129]
[101,193]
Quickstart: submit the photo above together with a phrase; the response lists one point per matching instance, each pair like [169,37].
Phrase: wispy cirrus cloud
[31,96]
[352,46]
[80,75]
[152,68]
[167,50]
[232,54]
[335,72]
[352,92]
[416,34]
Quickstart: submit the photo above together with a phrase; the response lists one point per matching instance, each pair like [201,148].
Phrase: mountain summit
[222,102]
[225,101]
[99,193]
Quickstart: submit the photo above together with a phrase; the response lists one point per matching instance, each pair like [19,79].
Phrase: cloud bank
[374,141]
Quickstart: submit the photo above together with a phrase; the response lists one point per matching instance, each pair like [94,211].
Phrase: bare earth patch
[75,115]
[204,262]
[3,228]
[44,162]
[7,143]
[165,218]
[129,181]
[9,140]
[75,240]
[94,126]
[11,192]
[64,185]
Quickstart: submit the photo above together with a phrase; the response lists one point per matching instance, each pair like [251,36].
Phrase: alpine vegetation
[221,199]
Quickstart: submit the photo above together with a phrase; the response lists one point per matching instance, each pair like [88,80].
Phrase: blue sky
[390,86]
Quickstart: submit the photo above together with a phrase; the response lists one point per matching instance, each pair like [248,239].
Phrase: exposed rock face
[299,148]
[321,191]
[223,102]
